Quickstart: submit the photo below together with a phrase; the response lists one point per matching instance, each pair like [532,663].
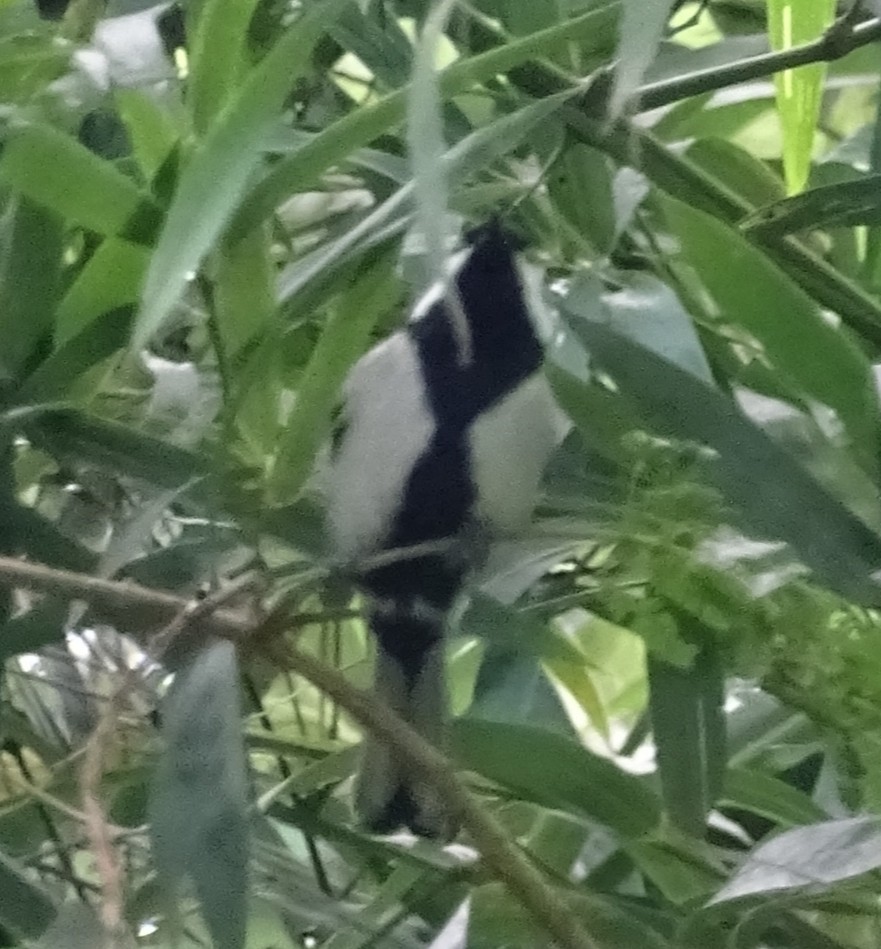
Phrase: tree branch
[840,39]
[123,602]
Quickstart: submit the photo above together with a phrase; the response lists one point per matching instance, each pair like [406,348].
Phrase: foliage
[668,692]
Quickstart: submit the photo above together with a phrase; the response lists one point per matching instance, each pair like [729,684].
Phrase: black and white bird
[447,430]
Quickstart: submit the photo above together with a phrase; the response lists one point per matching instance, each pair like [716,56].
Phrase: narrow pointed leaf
[214,181]
[777,497]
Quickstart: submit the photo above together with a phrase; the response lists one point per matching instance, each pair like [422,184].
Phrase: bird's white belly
[510,447]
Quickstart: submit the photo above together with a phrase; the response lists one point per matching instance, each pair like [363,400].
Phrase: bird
[446,429]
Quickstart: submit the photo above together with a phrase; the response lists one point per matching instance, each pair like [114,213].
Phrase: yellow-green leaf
[791,23]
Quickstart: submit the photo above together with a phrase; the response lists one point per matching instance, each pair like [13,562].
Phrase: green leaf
[770,489]
[25,909]
[244,294]
[747,289]
[843,204]
[31,244]
[513,688]
[468,156]
[791,23]
[28,63]
[111,278]
[497,919]
[217,57]
[822,854]
[198,807]
[770,797]
[556,772]
[118,448]
[151,129]
[31,631]
[426,147]
[54,170]
[302,168]
[580,184]
[689,731]
[57,376]
[343,339]
[214,181]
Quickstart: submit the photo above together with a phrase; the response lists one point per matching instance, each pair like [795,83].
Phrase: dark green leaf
[513,688]
[25,909]
[769,797]
[30,631]
[119,448]
[31,244]
[689,731]
[844,204]
[556,772]
[57,376]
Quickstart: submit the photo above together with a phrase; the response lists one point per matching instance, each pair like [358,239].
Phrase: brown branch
[114,599]
[507,863]
[128,606]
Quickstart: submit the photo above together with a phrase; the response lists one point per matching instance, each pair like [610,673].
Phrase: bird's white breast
[389,425]
[510,447]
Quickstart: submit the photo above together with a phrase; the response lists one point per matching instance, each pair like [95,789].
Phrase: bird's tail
[410,680]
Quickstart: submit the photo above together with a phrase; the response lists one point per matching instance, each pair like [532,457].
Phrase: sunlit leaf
[791,23]
[54,170]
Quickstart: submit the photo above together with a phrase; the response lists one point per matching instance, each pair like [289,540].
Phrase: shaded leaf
[198,806]
[843,204]
[25,908]
[556,772]
[513,688]
[31,244]
[749,290]
[770,797]
[120,448]
[689,732]
[770,489]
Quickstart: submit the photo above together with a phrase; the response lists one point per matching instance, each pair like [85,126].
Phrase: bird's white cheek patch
[389,427]
[510,447]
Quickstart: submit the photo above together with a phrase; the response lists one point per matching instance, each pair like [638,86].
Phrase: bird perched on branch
[448,426]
